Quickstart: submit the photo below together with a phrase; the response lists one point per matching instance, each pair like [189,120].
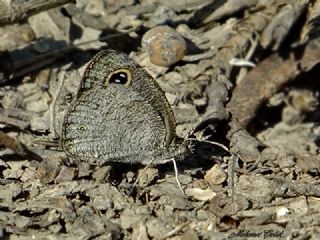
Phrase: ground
[241,74]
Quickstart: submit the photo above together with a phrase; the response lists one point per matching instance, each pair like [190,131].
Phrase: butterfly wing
[108,124]
[107,62]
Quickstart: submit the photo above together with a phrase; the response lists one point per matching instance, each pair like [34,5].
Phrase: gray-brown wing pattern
[113,124]
[107,62]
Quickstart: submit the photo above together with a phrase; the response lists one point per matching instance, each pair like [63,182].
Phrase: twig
[17,67]
[14,11]
[176,230]
[16,146]
[53,126]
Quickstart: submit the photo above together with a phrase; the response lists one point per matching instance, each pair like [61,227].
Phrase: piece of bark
[260,84]
[84,18]
[310,36]
[243,143]
[311,29]
[52,24]
[280,26]
[12,144]
[228,9]
[18,147]
[31,57]
[14,11]
[39,54]
[13,121]
[311,55]
[300,189]
[217,97]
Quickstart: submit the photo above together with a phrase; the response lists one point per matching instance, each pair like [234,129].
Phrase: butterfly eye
[121,76]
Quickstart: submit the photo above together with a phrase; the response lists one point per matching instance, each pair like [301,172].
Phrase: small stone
[84,170]
[130,176]
[190,234]
[282,212]
[102,173]
[28,175]
[256,188]
[200,194]
[202,215]
[140,232]
[156,228]
[22,221]
[15,172]
[102,203]
[215,175]
[164,45]
[303,101]
[65,174]
[200,183]
[291,116]
[148,176]
[174,202]
[49,168]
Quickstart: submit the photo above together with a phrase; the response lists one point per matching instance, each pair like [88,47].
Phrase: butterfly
[120,114]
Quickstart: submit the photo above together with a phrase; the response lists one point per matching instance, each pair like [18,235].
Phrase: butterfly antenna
[210,142]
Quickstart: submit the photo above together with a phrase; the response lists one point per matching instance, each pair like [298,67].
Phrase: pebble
[215,175]
[164,45]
